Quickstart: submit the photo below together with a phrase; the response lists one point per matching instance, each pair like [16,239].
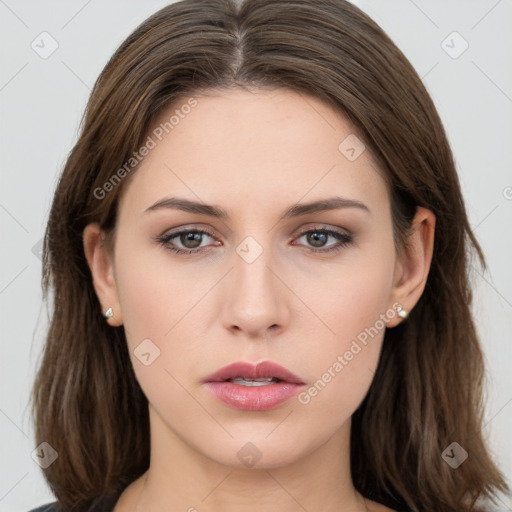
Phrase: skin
[254,154]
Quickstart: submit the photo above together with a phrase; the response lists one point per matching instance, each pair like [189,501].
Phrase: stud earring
[108,314]
[402,313]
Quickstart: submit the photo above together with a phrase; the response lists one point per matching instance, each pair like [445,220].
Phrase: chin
[258,450]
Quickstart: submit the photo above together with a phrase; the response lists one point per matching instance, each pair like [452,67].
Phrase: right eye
[190,240]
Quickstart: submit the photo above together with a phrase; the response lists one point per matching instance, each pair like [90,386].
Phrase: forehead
[254,147]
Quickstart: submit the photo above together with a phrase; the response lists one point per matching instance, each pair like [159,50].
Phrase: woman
[258,253]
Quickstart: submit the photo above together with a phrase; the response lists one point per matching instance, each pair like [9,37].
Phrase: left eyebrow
[296,210]
[333,203]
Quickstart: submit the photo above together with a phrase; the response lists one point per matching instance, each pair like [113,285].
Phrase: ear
[412,267]
[101,264]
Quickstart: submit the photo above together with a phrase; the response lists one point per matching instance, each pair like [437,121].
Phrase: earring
[402,313]
[108,314]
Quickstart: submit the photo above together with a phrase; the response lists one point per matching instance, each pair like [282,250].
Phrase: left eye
[191,239]
[318,239]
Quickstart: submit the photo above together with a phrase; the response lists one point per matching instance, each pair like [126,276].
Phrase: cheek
[161,308]
[153,299]
[354,304]
[352,296]
[154,295]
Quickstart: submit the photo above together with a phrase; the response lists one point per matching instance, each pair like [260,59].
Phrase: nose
[256,304]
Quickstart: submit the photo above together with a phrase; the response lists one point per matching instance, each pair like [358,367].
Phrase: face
[309,290]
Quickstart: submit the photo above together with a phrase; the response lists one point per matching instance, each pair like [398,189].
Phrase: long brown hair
[427,391]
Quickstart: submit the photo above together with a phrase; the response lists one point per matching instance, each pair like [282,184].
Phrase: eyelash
[343,240]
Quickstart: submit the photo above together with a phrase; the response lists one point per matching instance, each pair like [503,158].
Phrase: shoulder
[49,507]
[106,504]
[384,504]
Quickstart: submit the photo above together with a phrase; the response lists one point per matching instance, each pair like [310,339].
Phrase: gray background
[42,100]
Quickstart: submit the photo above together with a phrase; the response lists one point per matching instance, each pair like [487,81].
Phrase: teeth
[242,381]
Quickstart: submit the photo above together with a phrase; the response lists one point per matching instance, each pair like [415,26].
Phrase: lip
[261,370]
[254,398]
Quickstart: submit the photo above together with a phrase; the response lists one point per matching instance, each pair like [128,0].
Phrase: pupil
[317,239]
[193,238]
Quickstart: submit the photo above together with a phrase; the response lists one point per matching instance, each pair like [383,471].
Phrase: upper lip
[248,370]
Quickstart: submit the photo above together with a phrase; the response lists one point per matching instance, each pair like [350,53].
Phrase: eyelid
[186,228]
[325,227]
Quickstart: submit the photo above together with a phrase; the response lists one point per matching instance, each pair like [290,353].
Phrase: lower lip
[254,398]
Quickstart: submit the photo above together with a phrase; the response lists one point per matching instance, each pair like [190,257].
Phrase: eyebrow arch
[293,211]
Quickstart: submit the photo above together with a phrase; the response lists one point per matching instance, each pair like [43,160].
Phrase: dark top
[397,506]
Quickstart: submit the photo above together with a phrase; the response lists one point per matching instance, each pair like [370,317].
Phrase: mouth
[252,387]
[248,374]
[242,381]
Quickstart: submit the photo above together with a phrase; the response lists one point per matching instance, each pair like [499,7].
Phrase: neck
[181,478]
